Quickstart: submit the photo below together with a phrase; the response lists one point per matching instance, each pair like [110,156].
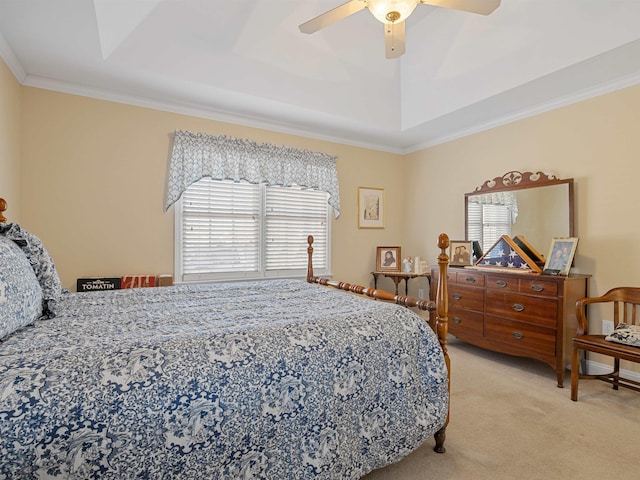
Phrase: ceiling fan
[393,13]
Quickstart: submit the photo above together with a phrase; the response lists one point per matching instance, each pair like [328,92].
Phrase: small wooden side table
[397,277]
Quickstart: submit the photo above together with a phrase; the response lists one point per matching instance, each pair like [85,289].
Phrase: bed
[287,380]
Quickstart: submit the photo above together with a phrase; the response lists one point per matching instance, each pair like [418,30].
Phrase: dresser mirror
[536,206]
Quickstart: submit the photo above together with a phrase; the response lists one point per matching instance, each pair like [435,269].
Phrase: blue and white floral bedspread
[275,380]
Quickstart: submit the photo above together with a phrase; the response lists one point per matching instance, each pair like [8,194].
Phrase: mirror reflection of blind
[488,222]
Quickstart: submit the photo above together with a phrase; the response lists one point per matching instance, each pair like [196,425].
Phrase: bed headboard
[3,208]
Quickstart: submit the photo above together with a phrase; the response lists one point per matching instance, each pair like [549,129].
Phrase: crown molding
[285,128]
[199,112]
[563,101]
[11,60]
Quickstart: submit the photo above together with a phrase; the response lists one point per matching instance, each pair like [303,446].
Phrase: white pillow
[626,334]
[20,291]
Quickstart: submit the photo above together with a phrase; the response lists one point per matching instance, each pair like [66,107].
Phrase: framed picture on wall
[370,207]
[388,259]
[461,253]
[560,256]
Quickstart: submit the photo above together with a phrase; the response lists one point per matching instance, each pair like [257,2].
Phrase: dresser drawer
[539,287]
[526,284]
[465,323]
[462,296]
[521,335]
[472,279]
[502,283]
[538,310]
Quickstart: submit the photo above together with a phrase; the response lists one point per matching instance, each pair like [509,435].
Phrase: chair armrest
[581,313]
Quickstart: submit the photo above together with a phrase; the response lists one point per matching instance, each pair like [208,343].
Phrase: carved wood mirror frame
[515,180]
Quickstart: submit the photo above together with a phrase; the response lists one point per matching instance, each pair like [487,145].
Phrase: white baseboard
[596,368]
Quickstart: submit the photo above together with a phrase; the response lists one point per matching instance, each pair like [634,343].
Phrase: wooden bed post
[442,325]
[310,258]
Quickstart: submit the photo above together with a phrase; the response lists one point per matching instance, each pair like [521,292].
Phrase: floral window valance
[197,155]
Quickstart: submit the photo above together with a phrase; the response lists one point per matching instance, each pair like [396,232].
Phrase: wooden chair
[624,302]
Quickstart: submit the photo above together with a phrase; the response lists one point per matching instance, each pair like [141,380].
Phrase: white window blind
[292,214]
[230,230]
[488,222]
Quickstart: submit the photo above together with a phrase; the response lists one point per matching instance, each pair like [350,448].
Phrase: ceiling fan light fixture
[391,11]
[392,14]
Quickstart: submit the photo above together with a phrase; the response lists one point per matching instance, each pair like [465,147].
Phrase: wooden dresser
[523,314]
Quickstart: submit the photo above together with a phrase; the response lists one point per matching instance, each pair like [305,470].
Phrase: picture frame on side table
[388,259]
[461,253]
[370,207]
[560,256]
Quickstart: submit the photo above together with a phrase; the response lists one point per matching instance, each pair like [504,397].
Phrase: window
[488,222]
[235,230]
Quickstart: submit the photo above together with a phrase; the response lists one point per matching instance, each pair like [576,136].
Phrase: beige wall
[93,186]
[596,142]
[10,135]
[99,169]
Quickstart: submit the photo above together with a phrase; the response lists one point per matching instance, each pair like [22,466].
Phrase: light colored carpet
[509,420]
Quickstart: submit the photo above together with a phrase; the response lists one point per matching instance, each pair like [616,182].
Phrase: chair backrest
[625,304]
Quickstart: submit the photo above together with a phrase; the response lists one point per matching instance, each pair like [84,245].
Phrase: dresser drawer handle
[518,307]
[501,283]
[457,296]
[517,335]
[457,320]
[470,280]
[537,288]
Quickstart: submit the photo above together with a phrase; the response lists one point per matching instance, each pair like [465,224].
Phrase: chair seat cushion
[625,334]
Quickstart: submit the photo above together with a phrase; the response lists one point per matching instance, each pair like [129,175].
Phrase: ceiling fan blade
[482,7]
[332,16]
[394,40]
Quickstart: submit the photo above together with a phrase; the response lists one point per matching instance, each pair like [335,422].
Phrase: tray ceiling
[246,62]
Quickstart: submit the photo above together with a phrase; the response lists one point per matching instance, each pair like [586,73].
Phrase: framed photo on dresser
[461,253]
[561,256]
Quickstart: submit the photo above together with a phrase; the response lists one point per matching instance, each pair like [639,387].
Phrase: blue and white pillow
[41,263]
[20,291]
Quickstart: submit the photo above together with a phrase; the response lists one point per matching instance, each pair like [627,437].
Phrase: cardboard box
[99,284]
[138,281]
[165,280]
